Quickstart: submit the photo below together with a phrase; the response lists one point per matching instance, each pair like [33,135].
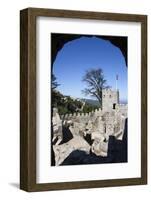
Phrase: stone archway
[59,40]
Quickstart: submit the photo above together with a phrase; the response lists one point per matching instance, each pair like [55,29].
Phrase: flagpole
[116,81]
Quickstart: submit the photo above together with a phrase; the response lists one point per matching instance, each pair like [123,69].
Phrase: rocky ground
[76,149]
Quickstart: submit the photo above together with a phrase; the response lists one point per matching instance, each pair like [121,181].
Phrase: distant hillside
[123,101]
[91,101]
[68,104]
[96,103]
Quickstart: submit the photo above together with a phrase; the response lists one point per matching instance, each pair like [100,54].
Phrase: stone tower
[110,98]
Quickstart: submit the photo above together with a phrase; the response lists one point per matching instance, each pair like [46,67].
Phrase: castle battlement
[81,115]
[110,99]
[110,103]
[98,125]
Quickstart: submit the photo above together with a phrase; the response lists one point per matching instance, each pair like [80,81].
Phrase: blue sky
[85,53]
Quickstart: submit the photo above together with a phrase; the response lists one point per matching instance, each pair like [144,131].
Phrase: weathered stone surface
[110,99]
[57,126]
[98,126]
[100,148]
[63,151]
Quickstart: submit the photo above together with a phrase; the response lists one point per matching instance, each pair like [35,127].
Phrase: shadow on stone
[67,135]
[117,153]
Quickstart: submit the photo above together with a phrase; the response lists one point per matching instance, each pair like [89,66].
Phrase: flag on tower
[116,76]
[116,81]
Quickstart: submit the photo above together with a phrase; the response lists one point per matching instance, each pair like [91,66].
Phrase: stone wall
[110,98]
[99,125]
[83,117]
[123,109]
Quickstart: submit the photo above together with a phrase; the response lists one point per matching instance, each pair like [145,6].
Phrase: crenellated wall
[109,117]
[78,115]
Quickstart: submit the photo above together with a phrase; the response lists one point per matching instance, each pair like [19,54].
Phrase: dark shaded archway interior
[59,40]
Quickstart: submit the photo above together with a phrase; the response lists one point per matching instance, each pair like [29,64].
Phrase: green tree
[56,96]
[95,81]
[54,83]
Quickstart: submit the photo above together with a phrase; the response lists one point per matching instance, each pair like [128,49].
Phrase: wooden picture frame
[28,98]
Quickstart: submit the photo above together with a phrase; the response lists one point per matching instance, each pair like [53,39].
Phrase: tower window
[114,105]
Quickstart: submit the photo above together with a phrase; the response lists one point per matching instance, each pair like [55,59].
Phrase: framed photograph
[83,99]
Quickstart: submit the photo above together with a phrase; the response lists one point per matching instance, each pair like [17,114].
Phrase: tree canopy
[95,81]
[67,104]
[54,83]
